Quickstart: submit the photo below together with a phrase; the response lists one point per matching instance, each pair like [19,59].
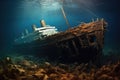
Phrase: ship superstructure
[38,33]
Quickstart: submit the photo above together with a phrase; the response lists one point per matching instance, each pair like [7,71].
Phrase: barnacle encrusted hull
[81,43]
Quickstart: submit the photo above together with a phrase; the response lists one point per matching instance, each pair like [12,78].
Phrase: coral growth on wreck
[28,70]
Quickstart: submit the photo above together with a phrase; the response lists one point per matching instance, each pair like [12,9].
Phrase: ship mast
[64,15]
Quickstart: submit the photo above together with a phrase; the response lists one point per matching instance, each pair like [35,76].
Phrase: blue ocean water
[17,15]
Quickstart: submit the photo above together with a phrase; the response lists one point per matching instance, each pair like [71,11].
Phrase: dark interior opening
[92,38]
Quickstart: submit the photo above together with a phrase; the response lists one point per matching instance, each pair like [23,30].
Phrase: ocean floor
[31,68]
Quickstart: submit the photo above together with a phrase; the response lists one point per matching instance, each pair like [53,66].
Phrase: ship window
[92,38]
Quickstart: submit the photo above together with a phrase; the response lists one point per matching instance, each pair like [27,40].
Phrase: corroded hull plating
[82,43]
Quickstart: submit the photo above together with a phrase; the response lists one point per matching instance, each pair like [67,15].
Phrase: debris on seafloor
[47,71]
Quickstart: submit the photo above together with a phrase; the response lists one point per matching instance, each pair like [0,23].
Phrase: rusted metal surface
[87,38]
[88,34]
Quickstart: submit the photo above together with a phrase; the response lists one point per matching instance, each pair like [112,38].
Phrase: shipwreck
[81,43]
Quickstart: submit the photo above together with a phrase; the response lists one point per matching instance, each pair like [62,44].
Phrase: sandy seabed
[24,69]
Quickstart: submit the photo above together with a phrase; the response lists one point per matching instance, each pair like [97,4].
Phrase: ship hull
[82,44]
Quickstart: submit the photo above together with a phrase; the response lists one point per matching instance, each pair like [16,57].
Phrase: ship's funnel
[34,27]
[43,24]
